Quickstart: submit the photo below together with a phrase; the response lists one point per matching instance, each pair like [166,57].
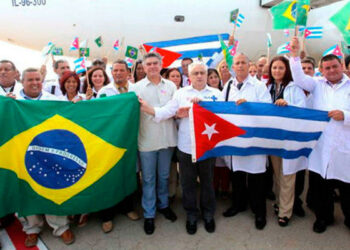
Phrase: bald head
[260,64]
[241,66]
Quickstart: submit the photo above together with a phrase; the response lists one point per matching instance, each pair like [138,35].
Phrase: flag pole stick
[268,54]
[343,57]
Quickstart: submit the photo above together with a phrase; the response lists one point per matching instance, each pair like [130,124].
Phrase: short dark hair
[187,58]
[58,62]
[65,77]
[287,78]
[29,70]
[10,62]
[90,72]
[120,61]
[329,57]
[309,61]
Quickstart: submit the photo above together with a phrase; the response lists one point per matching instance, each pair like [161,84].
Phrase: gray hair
[29,70]
[152,54]
[194,64]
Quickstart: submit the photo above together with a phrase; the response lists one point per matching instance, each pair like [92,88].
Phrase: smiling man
[8,75]
[329,161]
[156,142]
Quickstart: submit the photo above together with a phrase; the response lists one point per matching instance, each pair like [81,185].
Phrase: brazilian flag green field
[64,158]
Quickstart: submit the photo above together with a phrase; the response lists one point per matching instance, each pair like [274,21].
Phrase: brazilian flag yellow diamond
[58,158]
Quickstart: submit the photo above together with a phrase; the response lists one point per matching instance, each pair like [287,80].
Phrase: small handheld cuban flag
[80,65]
[283,49]
[286,32]
[233,49]
[335,50]
[240,20]
[75,44]
[129,61]
[312,32]
[116,45]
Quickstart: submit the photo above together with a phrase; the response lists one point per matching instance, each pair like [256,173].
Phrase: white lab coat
[294,96]
[253,91]
[110,89]
[331,155]
[45,96]
[18,87]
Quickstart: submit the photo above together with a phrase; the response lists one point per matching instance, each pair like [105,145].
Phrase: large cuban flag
[224,128]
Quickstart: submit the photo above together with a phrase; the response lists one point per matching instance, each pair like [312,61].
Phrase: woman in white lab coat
[284,92]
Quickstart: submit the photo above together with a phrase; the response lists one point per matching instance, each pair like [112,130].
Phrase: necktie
[122,89]
[239,85]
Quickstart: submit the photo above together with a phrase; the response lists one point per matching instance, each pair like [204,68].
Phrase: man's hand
[294,46]
[11,95]
[146,108]
[281,102]
[196,100]
[182,112]
[337,115]
[240,101]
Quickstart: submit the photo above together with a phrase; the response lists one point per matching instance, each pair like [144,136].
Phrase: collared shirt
[182,98]
[15,89]
[185,81]
[152,135]
[43,96]
[253,91]
[331,155]
[111,89]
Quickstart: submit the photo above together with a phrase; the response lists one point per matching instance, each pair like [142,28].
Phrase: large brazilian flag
[63,158]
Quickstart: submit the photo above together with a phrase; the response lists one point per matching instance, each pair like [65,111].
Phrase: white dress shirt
[253,91]
[182,98]
[331,155]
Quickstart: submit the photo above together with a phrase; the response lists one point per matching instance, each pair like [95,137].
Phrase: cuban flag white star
[209,130]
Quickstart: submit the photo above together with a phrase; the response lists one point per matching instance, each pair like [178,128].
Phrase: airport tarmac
[237,232]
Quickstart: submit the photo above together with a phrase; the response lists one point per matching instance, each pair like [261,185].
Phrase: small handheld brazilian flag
[62,158]
[131,52]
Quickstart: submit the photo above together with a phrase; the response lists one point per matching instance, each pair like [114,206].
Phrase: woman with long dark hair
[284,92]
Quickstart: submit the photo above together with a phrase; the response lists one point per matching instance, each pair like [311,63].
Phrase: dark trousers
[268,177]
[250,188]
[299,188]
[324,200]
[188,176]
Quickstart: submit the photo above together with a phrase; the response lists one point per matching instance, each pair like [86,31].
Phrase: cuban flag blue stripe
[279,134]
[186,41]
[195,53]
[266,109]
[228,150]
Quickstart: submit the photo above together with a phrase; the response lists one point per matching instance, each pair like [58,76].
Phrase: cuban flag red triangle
[209,130]
[307,33]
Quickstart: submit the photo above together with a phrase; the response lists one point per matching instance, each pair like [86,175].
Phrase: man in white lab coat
[247,169]
[329,161]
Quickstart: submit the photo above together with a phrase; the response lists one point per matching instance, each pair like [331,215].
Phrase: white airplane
[34,23]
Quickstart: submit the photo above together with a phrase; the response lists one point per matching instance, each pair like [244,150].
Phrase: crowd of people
[164,142]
